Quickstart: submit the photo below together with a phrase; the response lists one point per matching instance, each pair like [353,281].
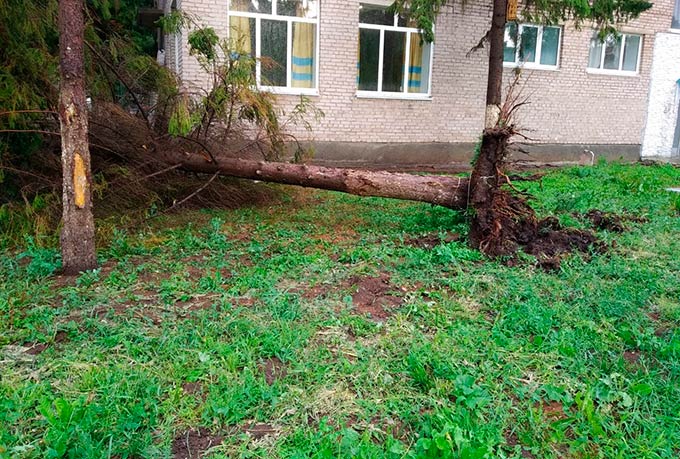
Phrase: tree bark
[486,231]
[494,88]
[446,191]
[78,234]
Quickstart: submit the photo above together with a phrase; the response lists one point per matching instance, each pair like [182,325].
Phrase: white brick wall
[664,97]
[568,105]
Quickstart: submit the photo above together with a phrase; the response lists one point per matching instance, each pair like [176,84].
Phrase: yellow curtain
[415,70]
[303,55]
[240,34]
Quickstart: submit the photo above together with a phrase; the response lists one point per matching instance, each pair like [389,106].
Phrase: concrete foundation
[405,156]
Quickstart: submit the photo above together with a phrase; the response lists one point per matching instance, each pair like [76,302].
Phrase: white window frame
[602,71]
[539,48]
[676,10]
[380,94]
[289,20]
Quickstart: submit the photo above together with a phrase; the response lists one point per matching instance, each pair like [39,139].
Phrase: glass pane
[375,14]
[369,53]
[419,67]
[595,56]
[549,45]
[274,52]
[676,16]
[242,34]
[304,55]
[251,6]
[299,8]
[393,61]
[510,42]
[527,44]
[630,53]
[612,53]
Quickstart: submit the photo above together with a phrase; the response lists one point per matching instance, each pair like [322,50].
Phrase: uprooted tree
[163,128]
[501,220]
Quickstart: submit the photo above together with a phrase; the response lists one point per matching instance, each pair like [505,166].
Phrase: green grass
[480,360]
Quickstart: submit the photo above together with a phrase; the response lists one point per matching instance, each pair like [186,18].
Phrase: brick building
[388,97]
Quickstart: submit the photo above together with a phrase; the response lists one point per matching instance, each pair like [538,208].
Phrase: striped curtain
[240,34]
[415,70]
[303,55]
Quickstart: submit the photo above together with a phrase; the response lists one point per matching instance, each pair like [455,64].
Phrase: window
[616,54]
[531,46]
[393,59]
[675,23]
[282,36]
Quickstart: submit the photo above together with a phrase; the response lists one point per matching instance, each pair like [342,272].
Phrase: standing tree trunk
[77,235]
[486,232]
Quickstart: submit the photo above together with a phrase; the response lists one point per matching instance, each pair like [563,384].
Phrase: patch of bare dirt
[631,357]
[194,443]
[553,411]
[192,388]
[374,296]
[432,240]
[611,221]
[552,242]
[273,369]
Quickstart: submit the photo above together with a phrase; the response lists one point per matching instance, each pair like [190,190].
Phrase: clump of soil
[432,240]
[610,221]
[194,443]
[273,369]
[373,297]
[552,242]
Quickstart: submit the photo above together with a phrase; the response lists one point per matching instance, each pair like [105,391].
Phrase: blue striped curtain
[303,55]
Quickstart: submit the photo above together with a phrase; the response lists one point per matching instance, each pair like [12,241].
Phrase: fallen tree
[446,191]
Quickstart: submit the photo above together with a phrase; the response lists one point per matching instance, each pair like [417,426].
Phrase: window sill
[672,30]
[620,73]
[551,68]
[392,96]
[279,91]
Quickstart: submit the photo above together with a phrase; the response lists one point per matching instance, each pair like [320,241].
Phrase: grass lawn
[331,326]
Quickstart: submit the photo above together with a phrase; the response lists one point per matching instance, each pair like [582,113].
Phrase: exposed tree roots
[503,222]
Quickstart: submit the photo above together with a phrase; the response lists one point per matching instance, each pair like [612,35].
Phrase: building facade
[390,97]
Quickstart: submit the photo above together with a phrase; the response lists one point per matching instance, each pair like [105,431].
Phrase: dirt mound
[193,443]
[552,242]
[374,296]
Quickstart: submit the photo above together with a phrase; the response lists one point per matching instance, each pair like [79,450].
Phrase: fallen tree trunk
[446,191]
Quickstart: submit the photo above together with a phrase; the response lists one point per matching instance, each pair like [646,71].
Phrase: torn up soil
[374,297]
[611,221]
[552,242]
[194,443]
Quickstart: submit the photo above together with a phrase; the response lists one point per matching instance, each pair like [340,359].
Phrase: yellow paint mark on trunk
[79,181]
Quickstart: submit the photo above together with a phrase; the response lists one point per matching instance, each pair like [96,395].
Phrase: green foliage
[233,103]
[607,15]
[203,42]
